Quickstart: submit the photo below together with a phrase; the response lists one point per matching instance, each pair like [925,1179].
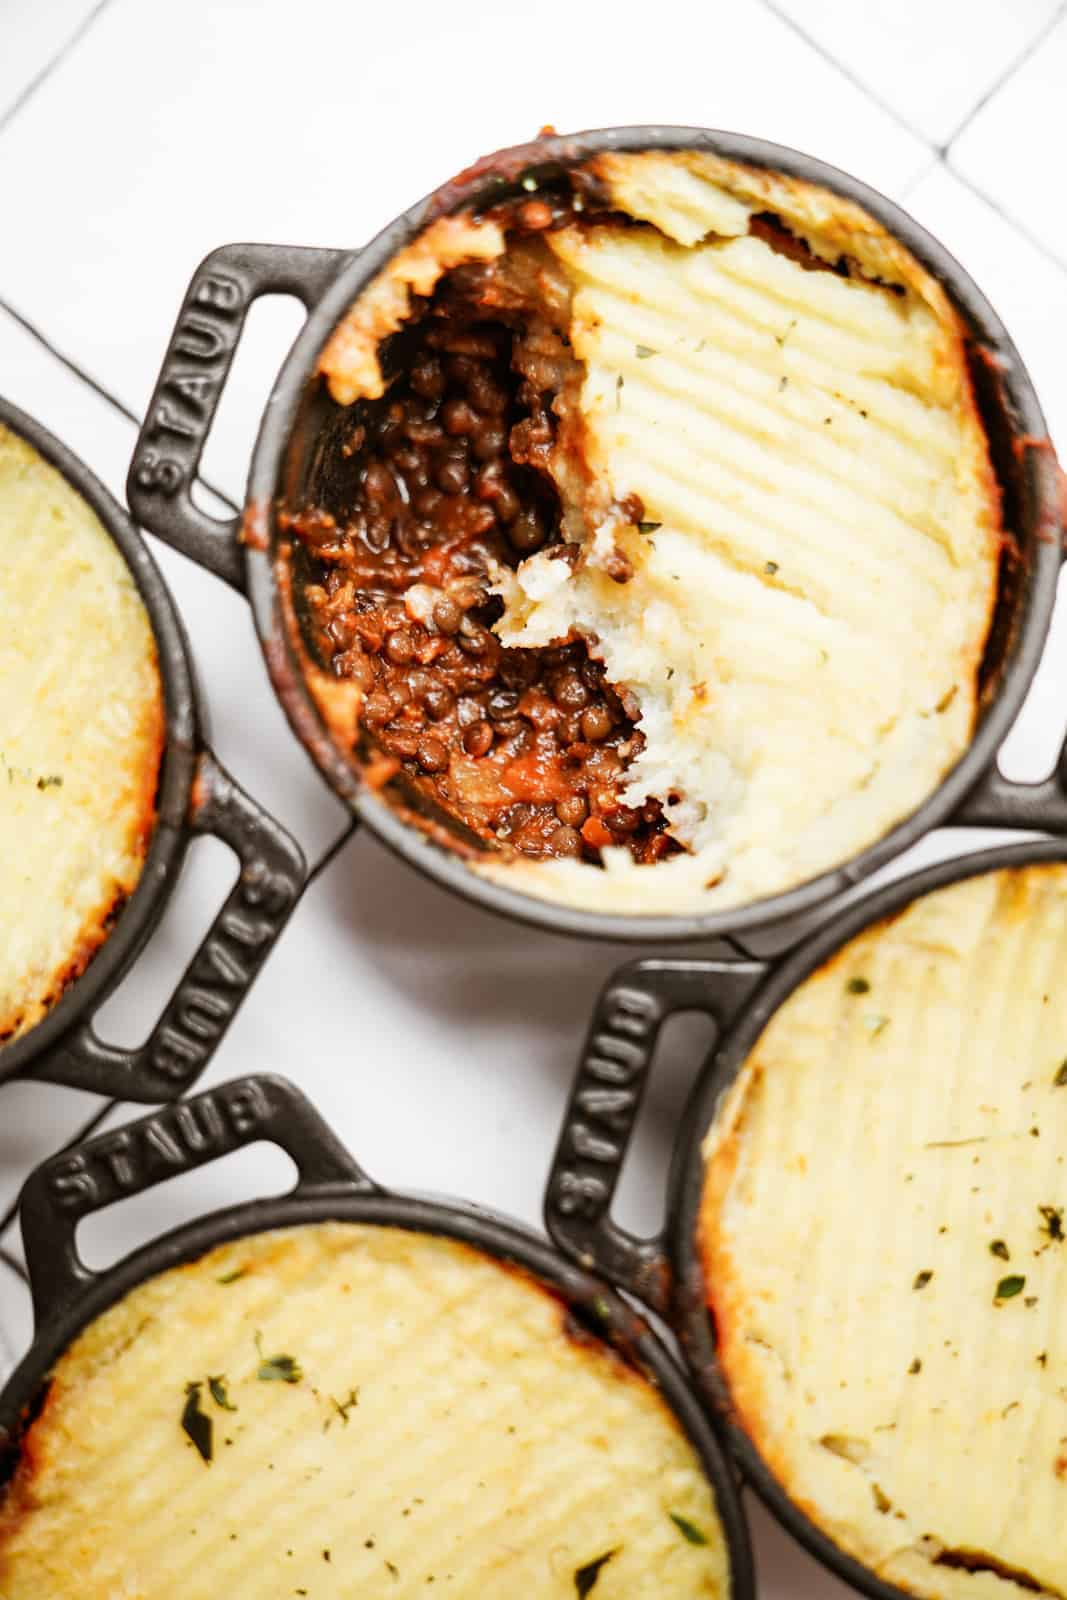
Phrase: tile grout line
[97,387]
[1013,222]
[846,72]
[1005,77]
[50,66]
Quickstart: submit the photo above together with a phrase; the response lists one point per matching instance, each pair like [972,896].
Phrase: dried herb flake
[277,1369]
[1052,1217]
[648,527]
[196,1424]
[770,567]
[858,986]
[688,1530]
[1060,1080]
[922,1279]
[232,1277]
[1008,1288]
[585,1577]
[217,1385]
[999,1249]
[643,351]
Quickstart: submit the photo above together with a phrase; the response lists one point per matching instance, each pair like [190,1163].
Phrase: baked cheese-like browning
[81,734]
[345,1410]
[884,1244]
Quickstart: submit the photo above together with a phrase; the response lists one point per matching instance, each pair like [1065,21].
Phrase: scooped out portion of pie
[662,539]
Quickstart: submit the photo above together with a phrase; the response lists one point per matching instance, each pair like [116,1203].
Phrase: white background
[136,136]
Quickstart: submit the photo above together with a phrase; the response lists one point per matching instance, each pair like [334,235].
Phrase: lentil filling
[443,477]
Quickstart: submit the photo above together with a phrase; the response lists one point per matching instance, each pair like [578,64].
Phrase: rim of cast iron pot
[690,1317]
[1033,608]
[499,1237]
[181,734]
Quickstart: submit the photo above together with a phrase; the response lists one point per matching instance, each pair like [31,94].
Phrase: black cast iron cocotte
[665,1272]
[195,796]
[245,551]
[330,1186]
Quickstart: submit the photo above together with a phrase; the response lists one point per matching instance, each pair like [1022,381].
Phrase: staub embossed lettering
[172,1141]
[605,1101]
[200,353]
[221,973]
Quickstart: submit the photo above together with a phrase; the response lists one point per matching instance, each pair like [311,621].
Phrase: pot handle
[165,1144]
[190,384]
[220,973]
[996,802]
[605,1103]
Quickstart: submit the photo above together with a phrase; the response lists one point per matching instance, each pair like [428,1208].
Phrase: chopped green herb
[232,1277]
[53,782]
[618,392]
[280,1369]
[196,1424]
[915,1367]
[1008,1288]
[277,1369]
[770,567]
[922,1279]
[858,986]
[648,527]
[217,1386]
[1052,1217]
[783,384]
[585,1577]
[688,1530]
[780,338]
[1060,1080]
[602,1309]
[643,351]
[999,1249]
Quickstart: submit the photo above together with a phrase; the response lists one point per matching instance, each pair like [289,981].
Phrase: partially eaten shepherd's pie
[885,1252]
[663,540]
[81,734]
[342,1410]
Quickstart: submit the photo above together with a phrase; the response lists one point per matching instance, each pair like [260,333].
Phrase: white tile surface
[343,120]
[929,62]
[439,1040]
[1013,149]
[33,36]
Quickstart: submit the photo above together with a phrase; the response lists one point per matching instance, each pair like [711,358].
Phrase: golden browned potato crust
[882,1237]
[81,734]
[349,1410]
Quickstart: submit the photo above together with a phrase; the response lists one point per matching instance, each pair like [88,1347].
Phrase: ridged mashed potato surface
[815,568]
[81,733]
[884,1242]
[380,1413]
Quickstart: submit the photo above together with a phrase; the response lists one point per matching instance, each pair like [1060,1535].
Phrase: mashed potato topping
[343,1411]
[884,1245]
[778,532]
[81,733]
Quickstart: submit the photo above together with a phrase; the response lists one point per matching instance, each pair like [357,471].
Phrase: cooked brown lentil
[527,747]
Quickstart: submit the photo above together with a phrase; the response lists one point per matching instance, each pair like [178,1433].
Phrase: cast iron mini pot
[286,465]
[330,1186]
[665,1272]
[195,796]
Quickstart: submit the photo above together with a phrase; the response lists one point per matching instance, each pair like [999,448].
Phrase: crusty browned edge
[100,922]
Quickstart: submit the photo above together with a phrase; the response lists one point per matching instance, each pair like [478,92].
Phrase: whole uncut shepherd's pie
[342,1410]
[81,734]
[662,540]
[883,1238]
